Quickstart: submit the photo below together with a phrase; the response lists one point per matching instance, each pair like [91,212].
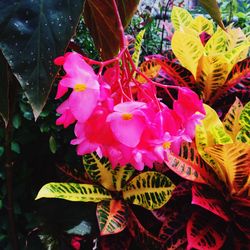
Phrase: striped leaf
[219,43]
[188,49]
[112,216]
[137,48]
[209,133]
[201,24]
[205,232]
[150,69]
[100,171]
[244,133]
[73,192]
[150,190]
[232,118]
[211,75]
[180,18]
[235,159]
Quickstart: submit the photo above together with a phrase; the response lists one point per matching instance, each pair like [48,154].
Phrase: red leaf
[205,197]
[205,231]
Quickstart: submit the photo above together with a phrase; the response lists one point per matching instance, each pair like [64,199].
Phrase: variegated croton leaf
[112,216]
[100,171]
[205,232]
[74,192]
[150,190]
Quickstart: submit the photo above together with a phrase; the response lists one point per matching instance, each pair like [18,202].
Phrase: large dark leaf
[100,18]
[32,34]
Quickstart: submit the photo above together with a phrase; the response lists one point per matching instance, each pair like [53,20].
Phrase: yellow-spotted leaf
[73,192]
[138,43]
[112,216]
[237,36]
[212,73]
[201,24]
[220,42]
[150,69]
[180,18]
[208,133]
[235,159]
[188,49]
[231,121]
[150,190]
[244,133]
[100,171]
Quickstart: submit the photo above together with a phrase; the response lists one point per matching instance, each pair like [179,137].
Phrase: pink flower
[127,122]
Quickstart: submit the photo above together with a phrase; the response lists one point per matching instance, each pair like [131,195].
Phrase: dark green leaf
[16,121]
[100,19]
[1,151]
[32,34]
[15,147]
[211,6]
[52,144]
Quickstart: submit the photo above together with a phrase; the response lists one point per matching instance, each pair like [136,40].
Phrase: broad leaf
[213,9]
[100,18]
[209,133]
[33,33]
[235,159]
[207,198]
[137,48]
[201,24]
[73,192]
[211,75]
[180,18]
[231,120]
[100,171]
[188,49]
[244,136]
[150,69]
[150,190]
[112,216]
[205,232]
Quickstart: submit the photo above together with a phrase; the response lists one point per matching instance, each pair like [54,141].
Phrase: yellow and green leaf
[150,190]
[150,69]
[112,216]
[208,133]
[138,43]
[231,121]
[100,171]
[188,49]
[235,159]
[201,24]
[180,18]
[212,73]
[74,192]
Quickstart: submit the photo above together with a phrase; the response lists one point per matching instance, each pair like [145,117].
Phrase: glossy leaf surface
[150,190]
[112,216]
[73,192]
[33,33]
[180,18]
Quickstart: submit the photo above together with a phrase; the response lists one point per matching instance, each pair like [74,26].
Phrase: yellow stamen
[166,144]
[127,116]
[80,87]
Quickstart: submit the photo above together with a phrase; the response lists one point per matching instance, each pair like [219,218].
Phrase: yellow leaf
[188,49]
[73,192]
[150,69]
[201,24]
[138,43]
[235,159]
[212,73]
[180,18]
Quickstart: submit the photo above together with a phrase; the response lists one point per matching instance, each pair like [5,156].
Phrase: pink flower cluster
[138,129]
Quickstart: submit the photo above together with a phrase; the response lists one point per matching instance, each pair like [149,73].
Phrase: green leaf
[73,192]
[150,190]
[83,228]
[33,33]
[100,18]
[52,144]
[100,171]
[180,18]
[112,216]
[1,151]
[213,9]
[15,147]
[16,121]
[4,89]
[138,43]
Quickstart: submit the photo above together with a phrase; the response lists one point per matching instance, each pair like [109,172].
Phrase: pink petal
[61,91]
[129,107]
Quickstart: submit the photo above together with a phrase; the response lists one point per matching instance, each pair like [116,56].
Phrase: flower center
[80,87]
[166,144]
[127,116]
